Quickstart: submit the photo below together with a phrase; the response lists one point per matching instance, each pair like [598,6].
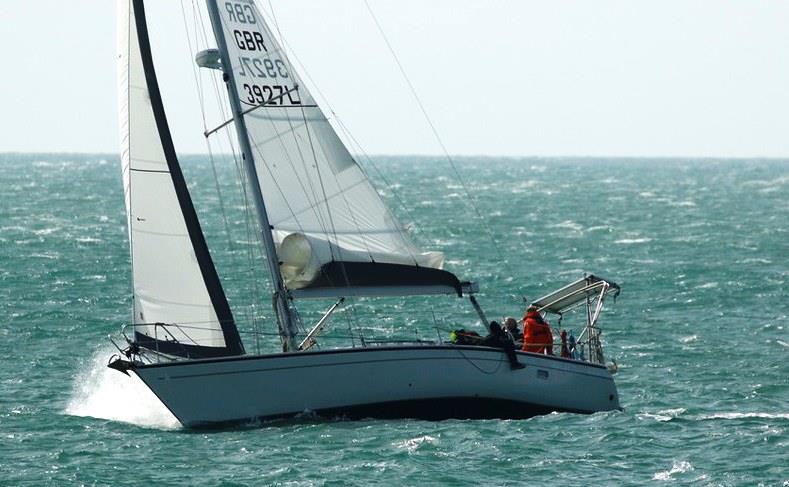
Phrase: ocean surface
[699,332]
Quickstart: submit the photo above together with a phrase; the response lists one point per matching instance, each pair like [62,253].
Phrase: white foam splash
[630,241]
[678,467]
[746,416]
[664,415]
[411,445]
[101,392]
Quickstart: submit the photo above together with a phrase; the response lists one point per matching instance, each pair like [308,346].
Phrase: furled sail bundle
[333,233]
[175,282]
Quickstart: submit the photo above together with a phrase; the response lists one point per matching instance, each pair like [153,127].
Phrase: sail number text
[262,68]
[271,95]
[241,13]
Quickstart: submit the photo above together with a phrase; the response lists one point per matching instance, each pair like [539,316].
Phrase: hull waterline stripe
[366,350]
[500,361]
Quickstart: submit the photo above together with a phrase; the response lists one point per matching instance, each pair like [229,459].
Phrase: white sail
[171,283]
[321,206]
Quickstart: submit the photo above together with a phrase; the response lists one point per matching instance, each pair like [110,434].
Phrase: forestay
[175,282]
[330,227]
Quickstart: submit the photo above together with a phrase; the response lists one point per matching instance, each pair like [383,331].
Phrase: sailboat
[326,233]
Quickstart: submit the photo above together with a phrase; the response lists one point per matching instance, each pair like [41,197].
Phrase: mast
[287,326]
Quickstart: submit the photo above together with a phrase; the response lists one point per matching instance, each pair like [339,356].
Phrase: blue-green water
[701,249]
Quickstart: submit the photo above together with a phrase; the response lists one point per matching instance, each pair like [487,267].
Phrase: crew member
[511,328]
[498,339]
[565,349]
[537,334]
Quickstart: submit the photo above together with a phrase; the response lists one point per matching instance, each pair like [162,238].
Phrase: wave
[627,241]
[746,416]
[677,467]
[100,392]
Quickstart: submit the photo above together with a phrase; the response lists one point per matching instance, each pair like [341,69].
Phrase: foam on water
[677,468]
[747,416]
[104,393]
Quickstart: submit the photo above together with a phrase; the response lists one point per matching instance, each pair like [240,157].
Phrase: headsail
[333,233]
[175,282]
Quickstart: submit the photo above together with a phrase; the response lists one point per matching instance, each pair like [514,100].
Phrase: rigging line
[400,229]
[192,51]
[290,69]
[279,188]
[348,133]
[318,215]
[198,87]
[221,103]
[223,98]
[435,132]
[325,198]
[251,237]
[313,204]
[270,103]
[342,192]
[289,66]
[128,195]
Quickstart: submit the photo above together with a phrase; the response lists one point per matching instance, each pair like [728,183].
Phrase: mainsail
[332,232]
[175,282]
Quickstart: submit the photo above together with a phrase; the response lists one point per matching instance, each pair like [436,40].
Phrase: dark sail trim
[178,349]
[377,274]
[206,264]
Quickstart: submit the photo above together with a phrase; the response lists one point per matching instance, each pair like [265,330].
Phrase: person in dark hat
[498,339]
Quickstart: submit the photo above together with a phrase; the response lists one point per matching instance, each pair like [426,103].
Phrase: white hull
[430,382]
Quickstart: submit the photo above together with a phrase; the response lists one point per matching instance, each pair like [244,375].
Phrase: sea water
[699,332]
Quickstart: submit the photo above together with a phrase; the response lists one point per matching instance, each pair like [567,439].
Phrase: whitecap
[663,415]
[628,241]
[411,445]
[755,260]
[746,416]
[568,224]
[46,255]
[87,240]
[677,467]
[46,231]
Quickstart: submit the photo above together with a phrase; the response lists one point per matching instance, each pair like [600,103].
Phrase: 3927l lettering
[275,95]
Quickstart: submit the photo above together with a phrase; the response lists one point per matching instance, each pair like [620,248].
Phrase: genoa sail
[332,231]
[179,305]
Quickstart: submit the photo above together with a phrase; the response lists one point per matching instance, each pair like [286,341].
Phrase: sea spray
[101,392]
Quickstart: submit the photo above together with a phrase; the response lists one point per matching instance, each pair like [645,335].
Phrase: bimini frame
[590,290]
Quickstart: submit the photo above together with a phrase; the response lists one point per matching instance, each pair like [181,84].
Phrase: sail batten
[176,288]
[329,225]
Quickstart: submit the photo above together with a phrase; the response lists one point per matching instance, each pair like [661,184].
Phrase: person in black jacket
[512,329]
[498,339]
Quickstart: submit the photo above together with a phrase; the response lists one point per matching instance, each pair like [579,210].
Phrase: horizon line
[451,156]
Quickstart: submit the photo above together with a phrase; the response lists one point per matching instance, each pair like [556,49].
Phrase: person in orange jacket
[537,334]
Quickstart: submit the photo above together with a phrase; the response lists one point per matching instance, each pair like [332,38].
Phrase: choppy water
[701,249]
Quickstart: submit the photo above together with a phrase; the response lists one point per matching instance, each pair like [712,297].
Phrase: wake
[100,392]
